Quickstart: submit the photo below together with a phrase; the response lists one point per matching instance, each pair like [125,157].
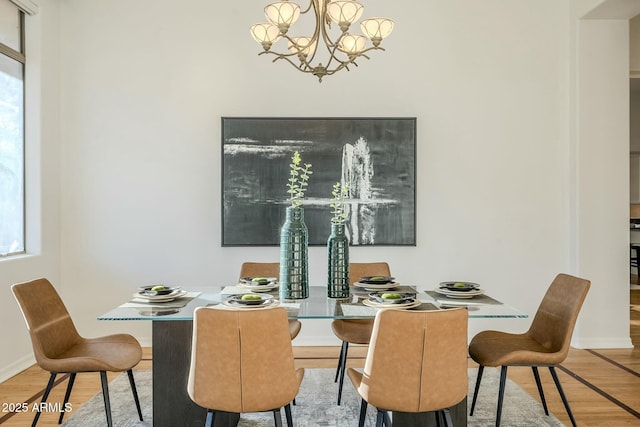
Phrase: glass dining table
[172,331]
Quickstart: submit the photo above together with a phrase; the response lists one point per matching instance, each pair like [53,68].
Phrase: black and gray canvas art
[373,157]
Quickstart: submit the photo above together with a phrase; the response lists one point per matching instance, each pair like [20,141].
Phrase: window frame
[20,57]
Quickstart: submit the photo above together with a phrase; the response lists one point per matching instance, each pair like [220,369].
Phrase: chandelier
[341,51]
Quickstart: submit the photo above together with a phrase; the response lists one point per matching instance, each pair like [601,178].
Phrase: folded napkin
[237,290]
[234,290]
[402,289]
[358,310]
[176,303]
[463,302]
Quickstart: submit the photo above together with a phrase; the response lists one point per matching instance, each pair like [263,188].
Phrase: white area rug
[316,404]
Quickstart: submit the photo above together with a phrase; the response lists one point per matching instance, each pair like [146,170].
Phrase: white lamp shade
[352,44]
[265,32]
[344,12]
[282,14]
[376,28]
[304,46]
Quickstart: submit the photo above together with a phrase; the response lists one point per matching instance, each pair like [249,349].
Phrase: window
[12,63]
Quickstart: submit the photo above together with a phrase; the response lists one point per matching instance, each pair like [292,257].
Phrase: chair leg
[340,361]
[287,414]
[72,378]
[363,413]
[562,396]
[343,364]
[47,390]
[211,416]
[477,387]
[380,419]
[438,416]
[539,384]
[503,381]
[277,417]
[132,382]
[385,419]
[448,422]
[105,396]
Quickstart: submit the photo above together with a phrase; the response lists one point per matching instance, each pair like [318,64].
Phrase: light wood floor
[603,386]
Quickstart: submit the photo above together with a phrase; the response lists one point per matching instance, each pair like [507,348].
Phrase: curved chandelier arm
[338,53]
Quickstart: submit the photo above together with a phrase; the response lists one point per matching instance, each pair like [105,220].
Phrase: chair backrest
[361,269]
[256,269]
[417,360]
[234,368]
[50,326]
[556,317]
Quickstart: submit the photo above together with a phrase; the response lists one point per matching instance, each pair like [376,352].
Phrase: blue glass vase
[338,263]
[294,258]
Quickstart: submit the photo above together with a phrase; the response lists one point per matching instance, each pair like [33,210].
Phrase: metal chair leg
[562,396]
[539,384]
[132,382]
[343,369]
[72,378]
[438,416]
[503,380]
[340,361]
[448,422]
[277,417]
[477,387]
[386,421]
[380,419]
[287,413]
[105,396]
[47,390]
[211,416]
[363,413]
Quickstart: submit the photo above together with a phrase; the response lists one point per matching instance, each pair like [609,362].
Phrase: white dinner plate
[459,294]
[272,302]
[161,298]
[258,288]
[400,306]
[372,287]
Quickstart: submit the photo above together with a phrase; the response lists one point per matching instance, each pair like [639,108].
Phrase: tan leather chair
[355,331]
[546,343]
[59,348]
[242,361]
[417,362]
[269,269]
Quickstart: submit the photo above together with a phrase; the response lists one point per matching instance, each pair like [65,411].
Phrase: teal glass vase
[294,257]
[338,263]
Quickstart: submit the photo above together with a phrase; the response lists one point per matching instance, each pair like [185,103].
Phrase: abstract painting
[374,157]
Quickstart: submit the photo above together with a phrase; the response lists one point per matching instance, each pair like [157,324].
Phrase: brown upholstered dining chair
[416,362]
[234,368]
[355,331]
[58,348]
[546,343]
[268,269]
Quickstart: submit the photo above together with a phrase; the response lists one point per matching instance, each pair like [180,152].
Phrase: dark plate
[377,297]
[376,280]
[468,286]
[250,281]
[237,299]
[146,290]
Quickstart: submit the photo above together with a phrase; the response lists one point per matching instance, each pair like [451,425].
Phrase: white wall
[143,86]
[141,130]
[42,186]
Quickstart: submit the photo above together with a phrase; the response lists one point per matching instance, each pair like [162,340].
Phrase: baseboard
[16,367]
[604,342]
